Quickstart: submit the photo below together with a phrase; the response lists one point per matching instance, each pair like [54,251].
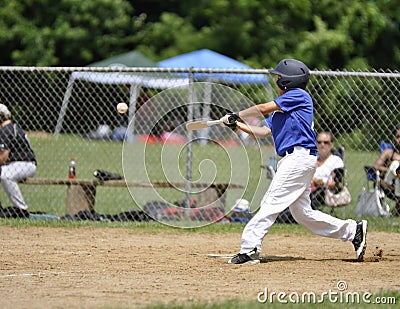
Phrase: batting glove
[230,120]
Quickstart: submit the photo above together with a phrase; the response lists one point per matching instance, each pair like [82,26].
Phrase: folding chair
[384,145]
[372,173]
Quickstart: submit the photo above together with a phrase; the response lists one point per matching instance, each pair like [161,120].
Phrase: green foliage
[356,106]
[159,44]
[324,33]
[68,32]
[317,47]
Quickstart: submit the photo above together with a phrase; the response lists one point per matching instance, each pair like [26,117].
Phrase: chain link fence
[185,178]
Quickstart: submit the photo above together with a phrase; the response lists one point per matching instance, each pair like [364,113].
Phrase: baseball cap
[4,111]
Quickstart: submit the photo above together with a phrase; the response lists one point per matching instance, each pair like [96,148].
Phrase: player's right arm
[255,131]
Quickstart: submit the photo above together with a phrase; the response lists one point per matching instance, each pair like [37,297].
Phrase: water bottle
[272,161]
[72,169]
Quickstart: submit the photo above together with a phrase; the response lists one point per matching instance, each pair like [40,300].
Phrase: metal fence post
[189,144]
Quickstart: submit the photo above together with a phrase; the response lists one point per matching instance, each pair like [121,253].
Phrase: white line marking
[32,275]
[220,256]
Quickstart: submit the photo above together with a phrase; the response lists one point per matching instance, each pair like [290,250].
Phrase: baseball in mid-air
[122,108]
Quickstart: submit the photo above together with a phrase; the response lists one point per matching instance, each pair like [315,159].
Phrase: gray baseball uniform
[20,165]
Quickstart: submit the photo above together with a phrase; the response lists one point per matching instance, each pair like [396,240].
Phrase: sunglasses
[323,142]
[397,135]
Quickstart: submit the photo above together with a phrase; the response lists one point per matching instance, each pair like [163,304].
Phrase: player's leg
[10,175]
[319,222]
[328,226]
[285,188]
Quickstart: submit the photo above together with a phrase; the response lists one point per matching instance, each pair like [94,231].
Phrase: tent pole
[204,134]
[64,106]
[133,95]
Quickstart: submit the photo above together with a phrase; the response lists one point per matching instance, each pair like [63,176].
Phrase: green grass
[374,224]
[210,163]
[53,157]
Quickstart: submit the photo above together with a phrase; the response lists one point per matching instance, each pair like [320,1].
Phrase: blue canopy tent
[209,59]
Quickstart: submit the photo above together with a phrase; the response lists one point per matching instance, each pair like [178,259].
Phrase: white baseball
[122,108]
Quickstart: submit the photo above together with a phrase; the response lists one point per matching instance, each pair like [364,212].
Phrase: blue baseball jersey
[294,124]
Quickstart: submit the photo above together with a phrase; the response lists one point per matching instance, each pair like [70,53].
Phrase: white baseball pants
[10,175]
[290,187]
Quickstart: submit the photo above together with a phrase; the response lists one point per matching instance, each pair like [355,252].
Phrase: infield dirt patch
[116,267]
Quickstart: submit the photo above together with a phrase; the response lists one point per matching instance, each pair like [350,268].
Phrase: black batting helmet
[294,74]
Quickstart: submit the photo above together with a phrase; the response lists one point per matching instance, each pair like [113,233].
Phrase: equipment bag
[372,202]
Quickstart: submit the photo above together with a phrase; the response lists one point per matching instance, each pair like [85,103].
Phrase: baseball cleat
[251,257]
[360,239]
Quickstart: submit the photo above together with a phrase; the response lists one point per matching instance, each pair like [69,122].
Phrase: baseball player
[17,161]
[291,124]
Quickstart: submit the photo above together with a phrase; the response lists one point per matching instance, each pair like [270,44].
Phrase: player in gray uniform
[17,161]
[290,122]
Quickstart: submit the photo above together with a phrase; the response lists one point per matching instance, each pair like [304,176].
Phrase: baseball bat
[197,125]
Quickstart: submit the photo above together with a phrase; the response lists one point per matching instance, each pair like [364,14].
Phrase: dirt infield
[116,267]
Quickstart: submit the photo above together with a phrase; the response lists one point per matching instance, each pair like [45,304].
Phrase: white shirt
[391,177]
[324,171]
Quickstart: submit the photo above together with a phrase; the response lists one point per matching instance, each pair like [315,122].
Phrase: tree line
[325,34]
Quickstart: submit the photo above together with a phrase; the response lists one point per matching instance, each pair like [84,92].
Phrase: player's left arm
[234,120]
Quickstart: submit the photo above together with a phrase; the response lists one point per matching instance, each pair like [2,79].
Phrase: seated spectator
[385,159]
[392,181]
[324,176]
[17,162]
